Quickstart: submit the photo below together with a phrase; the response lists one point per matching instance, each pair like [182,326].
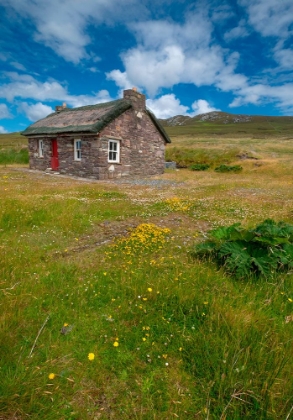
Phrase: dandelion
[290,300]
[91,356]
[150,289]
[51,376]
[180,348]
[143,339]
[144,298]
[115,344]
[65,324]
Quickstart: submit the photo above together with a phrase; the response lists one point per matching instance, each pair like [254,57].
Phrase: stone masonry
[142,147]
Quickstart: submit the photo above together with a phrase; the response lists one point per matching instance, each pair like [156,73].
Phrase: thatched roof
[86,119]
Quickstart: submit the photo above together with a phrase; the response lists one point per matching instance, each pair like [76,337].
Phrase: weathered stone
[142,146]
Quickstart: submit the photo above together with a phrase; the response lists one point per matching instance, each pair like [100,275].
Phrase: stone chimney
[137,99]
[59,108]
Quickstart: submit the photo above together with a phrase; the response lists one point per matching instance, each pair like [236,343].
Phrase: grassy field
[13,149]
[104,314]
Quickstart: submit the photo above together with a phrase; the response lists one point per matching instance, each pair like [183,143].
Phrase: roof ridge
[94,106]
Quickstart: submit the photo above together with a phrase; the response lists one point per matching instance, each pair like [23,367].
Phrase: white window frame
[77,150]
[113,151]
[41,148]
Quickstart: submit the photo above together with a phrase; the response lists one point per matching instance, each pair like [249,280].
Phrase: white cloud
[120,78]
[154,69]
[169,53]
[62,25]
[3,130]
[166,106]
[36,111]
[284,57]
[222,13]
[201,106]
[4,111]
[18,66]
[27,87]
[239,31]
[259,94]
[270,17]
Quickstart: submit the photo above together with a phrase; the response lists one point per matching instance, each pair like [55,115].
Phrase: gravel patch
[157,183]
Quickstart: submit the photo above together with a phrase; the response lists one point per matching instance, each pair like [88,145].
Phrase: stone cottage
[104,141]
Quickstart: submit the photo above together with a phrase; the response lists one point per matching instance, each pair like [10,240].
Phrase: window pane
[113,151]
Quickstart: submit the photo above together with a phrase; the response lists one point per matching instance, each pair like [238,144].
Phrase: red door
[54,158]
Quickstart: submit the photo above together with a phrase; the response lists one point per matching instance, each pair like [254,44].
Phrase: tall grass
[12,156]
[91,268]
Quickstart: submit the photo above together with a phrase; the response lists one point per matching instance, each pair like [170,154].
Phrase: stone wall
[142,149]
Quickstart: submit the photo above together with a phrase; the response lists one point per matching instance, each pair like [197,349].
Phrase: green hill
[227,125]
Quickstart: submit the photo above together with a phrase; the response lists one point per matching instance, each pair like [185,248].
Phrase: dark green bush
[264,250]
[199,167]
[227,168]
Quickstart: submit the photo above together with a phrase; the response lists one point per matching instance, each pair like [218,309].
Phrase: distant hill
[225,124]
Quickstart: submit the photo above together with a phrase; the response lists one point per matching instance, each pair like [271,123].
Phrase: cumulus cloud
[201,106]
[169,53]
[36,111]
[121,79]
[4,111]
[2,130]
[166,106]
[27,87]
[154,69]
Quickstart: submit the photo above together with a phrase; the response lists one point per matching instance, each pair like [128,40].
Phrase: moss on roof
[86,119]
[90,118]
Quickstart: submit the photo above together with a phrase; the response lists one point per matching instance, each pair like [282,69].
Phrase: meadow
[104,314]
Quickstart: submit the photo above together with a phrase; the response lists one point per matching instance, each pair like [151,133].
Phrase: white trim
[41,148]
[113,151]
[77,149]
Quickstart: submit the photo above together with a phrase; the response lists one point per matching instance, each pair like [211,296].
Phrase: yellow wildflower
[150,289]
[115,344]
[91,356]
[51,376]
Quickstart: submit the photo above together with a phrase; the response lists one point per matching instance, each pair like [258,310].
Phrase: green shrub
[11,156]
[228,168]
[199,167]
[184,156]
[243,252]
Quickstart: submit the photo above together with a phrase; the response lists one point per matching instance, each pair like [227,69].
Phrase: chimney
[59,108]
[137,99]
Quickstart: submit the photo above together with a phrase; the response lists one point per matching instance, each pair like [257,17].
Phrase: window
[77,149]
[41,148]
[113,151]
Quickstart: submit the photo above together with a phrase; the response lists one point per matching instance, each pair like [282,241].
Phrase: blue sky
[188,57]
